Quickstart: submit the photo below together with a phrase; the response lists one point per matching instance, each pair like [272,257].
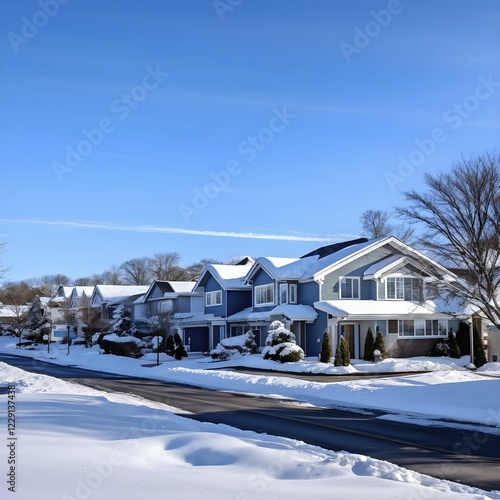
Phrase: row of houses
[344,288]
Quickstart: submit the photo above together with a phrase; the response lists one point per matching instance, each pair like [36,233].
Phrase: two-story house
[174,298]
[224,292]
[346,288]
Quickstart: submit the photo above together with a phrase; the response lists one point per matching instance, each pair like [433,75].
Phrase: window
[162,307]
[349,288]
[417,327]
[293,293]
[264,294]
[283,293]
[213,298]
[404,289]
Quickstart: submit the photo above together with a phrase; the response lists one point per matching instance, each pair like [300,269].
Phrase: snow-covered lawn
[129,447]
[73,442]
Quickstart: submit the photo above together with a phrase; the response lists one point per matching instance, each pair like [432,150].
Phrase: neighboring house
[175,298]
[109,297]
[80,296]
[346,288]
[62,294]
[224,293]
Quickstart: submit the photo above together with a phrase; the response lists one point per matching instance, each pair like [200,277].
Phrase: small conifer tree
[169,345]
[326,348]
[369,346]
[479,354]
[342,354]
[179,350]
[338,355]
[463,337]
[453,345]
[380,344]
[346,355]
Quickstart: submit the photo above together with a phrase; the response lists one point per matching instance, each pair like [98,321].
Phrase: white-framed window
[162,307]
[292,293]
[401,288]
[213,298]
[264,295]
[349,287]
[418,327]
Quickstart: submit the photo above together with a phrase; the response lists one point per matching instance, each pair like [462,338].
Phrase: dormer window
[213,298]
[400,288]
[349,288]
[264,295]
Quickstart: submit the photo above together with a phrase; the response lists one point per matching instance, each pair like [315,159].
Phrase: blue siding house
[346,288]
[224,292]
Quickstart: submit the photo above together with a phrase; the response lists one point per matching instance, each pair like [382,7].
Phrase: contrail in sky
[177,230]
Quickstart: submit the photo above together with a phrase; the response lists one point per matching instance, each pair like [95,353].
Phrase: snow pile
[128,448]
[113,337]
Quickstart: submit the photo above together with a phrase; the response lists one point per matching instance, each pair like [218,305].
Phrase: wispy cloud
[178,230]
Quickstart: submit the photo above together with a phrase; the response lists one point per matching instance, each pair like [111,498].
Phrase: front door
[349,331]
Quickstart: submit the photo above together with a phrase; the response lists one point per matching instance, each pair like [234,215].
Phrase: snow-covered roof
[191,318]
[78,291]
[281,268]
[182,286]
[7,311]
[383,308]
[229,276]
[385,265]
[250,315]
[115,293]
[295,312]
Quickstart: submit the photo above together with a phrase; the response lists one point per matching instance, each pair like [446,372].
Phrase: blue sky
[228,127]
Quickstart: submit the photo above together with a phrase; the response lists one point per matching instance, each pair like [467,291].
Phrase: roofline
[253,269]
[377,244]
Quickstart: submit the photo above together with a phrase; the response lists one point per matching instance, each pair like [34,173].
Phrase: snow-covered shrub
[242,344]
[281,344]
[222,353]
[121,346]
[441,349]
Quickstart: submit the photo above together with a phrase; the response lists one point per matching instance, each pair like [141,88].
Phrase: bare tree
[460,216]
[49,283]
[113,276]
[91,319]
[194,271]
[17,296]
[166,267]
[376,224]
[2,268]
[136,271]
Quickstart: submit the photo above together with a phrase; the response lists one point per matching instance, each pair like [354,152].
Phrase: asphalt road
[469,457]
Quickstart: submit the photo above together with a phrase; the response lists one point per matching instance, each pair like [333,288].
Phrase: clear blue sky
[116,117]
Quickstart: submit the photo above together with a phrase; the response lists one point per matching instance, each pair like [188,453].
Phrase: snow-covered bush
[441,349]
[241,344]
[281,344]
[121,346]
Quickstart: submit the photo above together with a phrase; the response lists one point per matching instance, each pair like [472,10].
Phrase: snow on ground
[447,392]
[74,443]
